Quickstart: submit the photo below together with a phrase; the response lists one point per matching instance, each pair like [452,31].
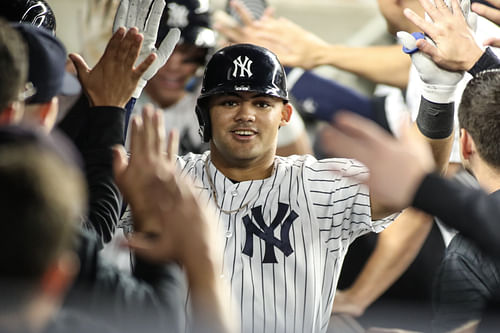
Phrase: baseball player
[288,221]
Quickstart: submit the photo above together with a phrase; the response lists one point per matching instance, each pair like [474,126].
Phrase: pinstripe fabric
[296,293]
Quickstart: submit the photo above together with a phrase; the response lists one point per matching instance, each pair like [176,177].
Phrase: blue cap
[47,62]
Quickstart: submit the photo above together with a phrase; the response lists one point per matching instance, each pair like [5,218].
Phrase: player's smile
[244,134]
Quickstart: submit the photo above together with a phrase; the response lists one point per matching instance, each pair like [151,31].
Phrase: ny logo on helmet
[243,66]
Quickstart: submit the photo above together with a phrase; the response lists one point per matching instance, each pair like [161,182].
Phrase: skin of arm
[396,248]
[297,47]
[371,62]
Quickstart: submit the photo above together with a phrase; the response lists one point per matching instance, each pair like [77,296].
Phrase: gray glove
[136,13]
[438,85]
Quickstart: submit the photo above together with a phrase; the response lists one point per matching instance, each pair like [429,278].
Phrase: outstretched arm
[176,228]
[396,248]
[108,87]
[297,47]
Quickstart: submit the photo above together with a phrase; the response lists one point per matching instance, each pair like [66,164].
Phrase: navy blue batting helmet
[240,68]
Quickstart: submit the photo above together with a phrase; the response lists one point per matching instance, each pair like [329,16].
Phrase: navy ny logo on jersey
[266,233]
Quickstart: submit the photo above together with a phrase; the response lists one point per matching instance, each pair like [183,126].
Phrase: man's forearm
[471,211]
[380,64]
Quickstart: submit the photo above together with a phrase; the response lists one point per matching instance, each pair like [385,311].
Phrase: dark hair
[41,200]
[13,64]
[479,114]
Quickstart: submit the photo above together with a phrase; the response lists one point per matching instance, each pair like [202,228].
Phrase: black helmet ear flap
[204,120]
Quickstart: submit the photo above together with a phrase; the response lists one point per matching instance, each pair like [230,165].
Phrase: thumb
[407,40]
[168,44]
[492,41]
[81,66]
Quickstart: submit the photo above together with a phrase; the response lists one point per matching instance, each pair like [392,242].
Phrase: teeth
[244,132]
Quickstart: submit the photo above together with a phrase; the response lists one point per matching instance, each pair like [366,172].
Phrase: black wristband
[487,61]
[435,120]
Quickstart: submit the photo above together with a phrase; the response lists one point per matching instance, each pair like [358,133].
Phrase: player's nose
[245,112]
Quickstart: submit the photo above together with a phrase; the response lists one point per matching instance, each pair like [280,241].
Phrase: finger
[121,15]
[495,3]
[158,124]
[430,9]
[120,49]
[336,143]
[151,28]
[491,14]
[442,7]
[407,40]
[233,34]
[144,246]
[144,66]
[120,163]
[492,41]
[148,141]
[132,13]
[172,146]
[113,48]
[222,18]
[360,127]
[461,7]
[142,14]
[136,138]
[404,126]
[419,22]
[134,43]
[168,44]
[81,66]
[428,48]
[245,15]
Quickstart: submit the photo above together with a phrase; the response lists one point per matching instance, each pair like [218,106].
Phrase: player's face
[245,126]
[167,87]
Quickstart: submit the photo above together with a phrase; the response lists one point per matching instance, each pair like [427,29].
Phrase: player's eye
[262,104]
[229,102]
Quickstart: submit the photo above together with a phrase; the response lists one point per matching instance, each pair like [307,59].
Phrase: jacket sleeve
[471,211]
[94,130]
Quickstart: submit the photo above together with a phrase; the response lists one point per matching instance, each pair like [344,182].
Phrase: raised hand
[114,78]
[146,15]
[169,222]
[290,42]
[451,45]
[396,166]
[492,14]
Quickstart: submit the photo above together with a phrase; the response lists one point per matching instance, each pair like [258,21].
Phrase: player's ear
[286,113]
[467,146]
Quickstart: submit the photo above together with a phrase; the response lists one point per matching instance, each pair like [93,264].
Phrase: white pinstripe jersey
[283,286]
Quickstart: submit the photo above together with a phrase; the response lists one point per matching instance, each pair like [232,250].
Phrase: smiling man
[287,221]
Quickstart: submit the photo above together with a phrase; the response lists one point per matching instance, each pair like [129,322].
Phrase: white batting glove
[438,84]
[136,13]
